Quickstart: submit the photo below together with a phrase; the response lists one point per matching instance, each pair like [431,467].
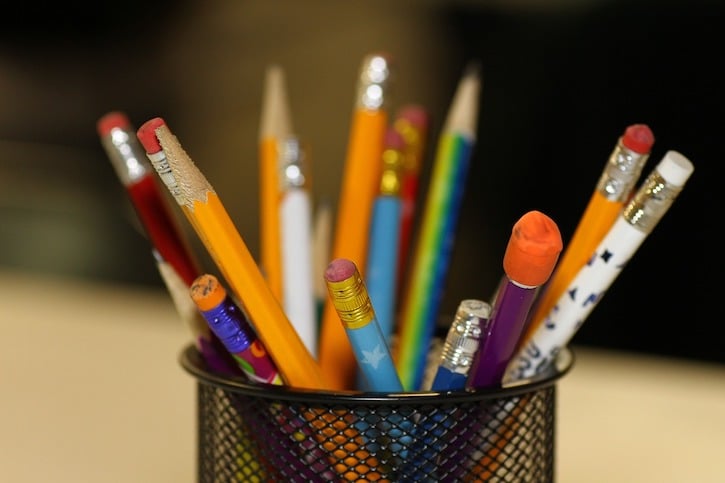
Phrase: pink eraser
[147,135]
[112,120]
[639,138]
[339,269]
[394,140]
[414,114]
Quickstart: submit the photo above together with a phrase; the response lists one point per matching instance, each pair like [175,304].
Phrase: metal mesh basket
[270,433]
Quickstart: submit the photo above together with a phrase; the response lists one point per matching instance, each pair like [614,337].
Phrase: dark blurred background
[562,80]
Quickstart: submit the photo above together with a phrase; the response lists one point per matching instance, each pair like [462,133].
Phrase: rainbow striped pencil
[438,224]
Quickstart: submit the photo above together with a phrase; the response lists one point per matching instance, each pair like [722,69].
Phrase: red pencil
[411,121]
[139,178]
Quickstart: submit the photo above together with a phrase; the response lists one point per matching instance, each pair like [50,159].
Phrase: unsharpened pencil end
[112,120]
[206,292]
[639,138]
[533,249]
[147,135]
[339,269]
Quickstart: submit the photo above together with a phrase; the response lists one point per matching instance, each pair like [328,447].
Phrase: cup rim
[192,362]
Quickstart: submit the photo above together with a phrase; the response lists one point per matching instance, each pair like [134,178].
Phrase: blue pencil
[349,295]
[390,434]
[461,344]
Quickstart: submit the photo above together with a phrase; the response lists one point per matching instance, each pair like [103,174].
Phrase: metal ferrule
[621,173]
[464,335]
[162,167]
[292,163]
[373,82]
[352,302]
[126,155]
[412,137]
[650,203]
[390,177]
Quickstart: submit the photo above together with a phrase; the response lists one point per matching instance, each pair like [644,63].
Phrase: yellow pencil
[613,190]
[215,228]
[359,187]
[275,126]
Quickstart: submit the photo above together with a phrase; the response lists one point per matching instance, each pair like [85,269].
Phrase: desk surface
[91,391]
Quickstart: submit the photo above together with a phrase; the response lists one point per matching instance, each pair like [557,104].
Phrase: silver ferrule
[373,82]
[464,335]
[161,165]
[621,172]
[292,163]
[650,202]
[126,155]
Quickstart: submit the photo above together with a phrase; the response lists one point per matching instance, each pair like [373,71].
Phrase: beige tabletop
[91,391]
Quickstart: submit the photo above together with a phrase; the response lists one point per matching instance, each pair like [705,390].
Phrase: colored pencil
[359,187]
[275,126]
[531,254]
[429,266]
[411,121]
[295,217]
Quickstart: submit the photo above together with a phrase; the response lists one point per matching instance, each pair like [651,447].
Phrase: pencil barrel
[257,432]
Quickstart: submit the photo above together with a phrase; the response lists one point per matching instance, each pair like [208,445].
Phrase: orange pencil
[209,218]
[275,126]
[613,190]
[359,187]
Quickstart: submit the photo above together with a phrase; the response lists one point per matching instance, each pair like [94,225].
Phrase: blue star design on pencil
[373,357]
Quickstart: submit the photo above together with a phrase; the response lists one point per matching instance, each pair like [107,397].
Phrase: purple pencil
[230,325]
[530,257]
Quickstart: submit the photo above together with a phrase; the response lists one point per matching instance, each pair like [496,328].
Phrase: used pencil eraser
[339,269]
[639,138]
[147,135]
[533,249]
[112,120]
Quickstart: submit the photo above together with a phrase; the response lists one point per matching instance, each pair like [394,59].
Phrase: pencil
[359,186]
[211,221]
[295,217]
[382,261]
[411,121]
[210,347]
[275,126]
[429,266]
[352,303]
[531,254]
[138,177]
[613,190]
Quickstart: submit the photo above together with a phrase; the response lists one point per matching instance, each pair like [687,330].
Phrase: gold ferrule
[390,176]
[373,82]
[621,173]
[351,300]
[650,203]
[412,137]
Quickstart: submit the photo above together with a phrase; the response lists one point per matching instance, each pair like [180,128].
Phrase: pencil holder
[256,432]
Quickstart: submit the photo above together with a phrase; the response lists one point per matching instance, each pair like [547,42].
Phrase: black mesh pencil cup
[271,433]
